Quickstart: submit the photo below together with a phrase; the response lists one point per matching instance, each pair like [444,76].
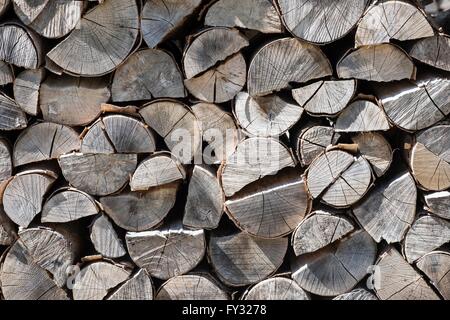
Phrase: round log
[105,238]
[26,90]
[375,149]
[6,167]
[138,287]
[438,203]
[436,266]
[356,294]
[11,116]
[362,116]
[276,288]
[6,73]
[434,51]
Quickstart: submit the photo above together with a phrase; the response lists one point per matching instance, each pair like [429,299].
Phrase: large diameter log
[6,165]
[26,90]
[375,149]
[6,73]
[138,287]
[276,288]
[356,294]
[105,239]
[438,203]
[262,258]
[362,116]
[436,266]
[11,116]
[434,51]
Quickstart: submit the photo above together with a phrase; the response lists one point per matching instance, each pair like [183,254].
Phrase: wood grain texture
[436,266]
[356,294]
[6,166]
[11,116]
[375,149]
[105,239]
[8,230]
[26,90]
[312,141]
[6,73]
[19,47]
[4,4]
[138,287]
[362,116]
[438,203]
[276,288]
[434,51]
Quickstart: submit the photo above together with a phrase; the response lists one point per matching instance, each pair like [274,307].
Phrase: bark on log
[11,116]
[105,238]
[277,288]
[436,266]
[6,73]
[375,149]
[356,294]
[438,203]
[138,287]
[434,51]
[362,116]
[26,90]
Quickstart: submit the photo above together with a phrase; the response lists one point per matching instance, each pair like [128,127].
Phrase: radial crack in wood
[438,203]
[26,90]
[6,73]
[434,51]
[436,266]
[362,116]
[375,149]
[138,287]
[105,239]
[276,288]
[11,116]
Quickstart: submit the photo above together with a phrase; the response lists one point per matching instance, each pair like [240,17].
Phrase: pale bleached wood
[240,259]
[283,61]
[72,101]
[44,141]
[6,166]
[337,268]
[392,19]
[321,21]
[276,288]
[68,204]
[26,90]
[118,134]
[438,203]
[434,51]
[138,287]
[98,174]
[247,14]
[436,266]
[167,252]
[382,63]
[400,281]
[325,97]
[356,294]
[191,287]
[375,149]
[205,200]
[6,73]
[140,77]
[273,207]
[160,19]
[362,116]
[268,116]
[318,230]
[8,232]
[312,141]
[105,239]
[11,116]
[253,159]
[97,279]
[389,210]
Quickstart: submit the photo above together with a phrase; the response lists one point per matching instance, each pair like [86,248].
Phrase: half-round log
[138,287]
[277,288]
[375,149]
[6,73]
[11,116]
[438,203]
[356,294]
[26,90]
[362,116]
[436,266]
[434,51]
[105,239]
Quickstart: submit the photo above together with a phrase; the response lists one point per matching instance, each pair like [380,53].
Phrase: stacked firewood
[319,127]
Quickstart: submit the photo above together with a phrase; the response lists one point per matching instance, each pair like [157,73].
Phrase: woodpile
[224,149]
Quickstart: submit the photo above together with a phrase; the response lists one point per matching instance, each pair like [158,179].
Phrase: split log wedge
[276,288]
[26,90]
[362,116]
[105,238]
[438,203]
[436,266]
[11,116]
[138,287]
[375,149]
[6,73]
[434,51]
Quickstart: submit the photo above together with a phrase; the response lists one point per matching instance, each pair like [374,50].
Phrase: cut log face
[24,194]
[430,159]
[168,252]
[72,101]
[138,287]
[362,116]
[319,230]
[157,170]
[313,141]
[375,149]
[8,233]
[283,61]
[205,200]
[44,141]
[11,117]
[148,74]
[104,39]
[268,116]
[68,204]
[98,174]
[191,287]
[51,19]
[357,294]
[325,98]
[105,238]
[6,73]
[335,269]
[434,51]
[276,288]
[253,159]
[391,20]
[389,210]
[273,207]
[426,234]
[26,90]
[118,134]
[436,266]
[321,21]
[6,166]
[262,258]
[258,15]
[23,279]
[400,281]
[438,203]
[162,18]
[139,211]
[97,279]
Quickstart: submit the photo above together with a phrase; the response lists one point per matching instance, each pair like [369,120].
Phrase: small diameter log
[392,20]
[205,200]
[268,116]
[434,51]
[438,203]
[276,288]
[430,158]
[436,266]
[138,287]
[98,174]
[356,294]
[8,233]
[6,73]
[283,61]
[273,207]
[318,231]
[118,134]
[176,123]
[105,238]
[258,15]
[51,19]
[148,74]
[11,116]
[191,287]
[112,27]
[6,166]
[362,116]
[337,268]
[325,98]
[262,258]
[72,101]
[168,252]
[140,211]
[24,194]
[95,281]
[426,234]
[68,204]
[397,280]
[321,21]
[375,149]
[26,90]
[157,170]
[338,178]
[162,18]
[44,141]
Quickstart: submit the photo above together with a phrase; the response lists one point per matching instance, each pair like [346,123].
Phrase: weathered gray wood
[436,266]
[276,288]
[434,51]
[362,116]
[26,90]
[356,294]
[138,287]
[4,4]
[375,149]
[438,203]
[6,73]
[11,117]
[105,238]
[6,166]
[8,232]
